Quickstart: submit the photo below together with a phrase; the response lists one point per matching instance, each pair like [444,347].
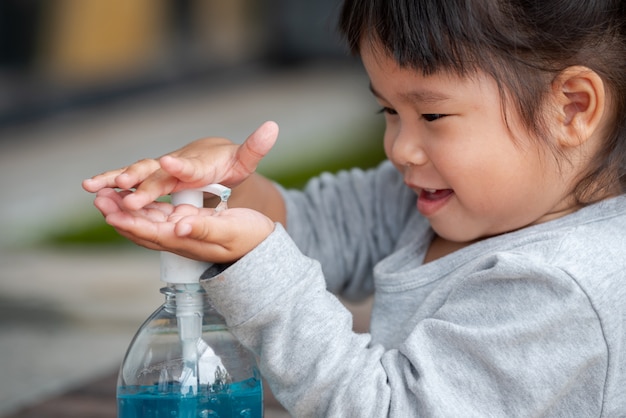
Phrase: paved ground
[67,315]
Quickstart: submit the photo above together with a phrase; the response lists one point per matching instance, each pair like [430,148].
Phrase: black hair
[522,44]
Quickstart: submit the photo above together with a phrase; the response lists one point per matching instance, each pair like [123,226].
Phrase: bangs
[424,35]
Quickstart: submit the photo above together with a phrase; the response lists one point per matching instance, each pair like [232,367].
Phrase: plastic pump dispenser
[183,362]
[185,274]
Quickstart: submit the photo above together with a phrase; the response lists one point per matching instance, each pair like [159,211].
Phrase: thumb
[256,146]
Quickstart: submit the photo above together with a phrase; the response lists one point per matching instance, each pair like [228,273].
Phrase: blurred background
[91,85]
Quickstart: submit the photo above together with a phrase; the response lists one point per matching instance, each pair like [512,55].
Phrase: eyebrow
[422,95]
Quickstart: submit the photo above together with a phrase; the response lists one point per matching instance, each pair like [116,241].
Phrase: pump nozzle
[180,270]
[195,197]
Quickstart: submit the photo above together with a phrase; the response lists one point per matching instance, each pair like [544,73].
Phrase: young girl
[493,238]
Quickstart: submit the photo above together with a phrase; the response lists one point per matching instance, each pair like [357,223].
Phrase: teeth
[430,190]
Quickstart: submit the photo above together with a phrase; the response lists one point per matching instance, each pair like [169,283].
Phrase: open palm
[197,233]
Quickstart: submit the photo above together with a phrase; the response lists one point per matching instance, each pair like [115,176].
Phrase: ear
[581,101]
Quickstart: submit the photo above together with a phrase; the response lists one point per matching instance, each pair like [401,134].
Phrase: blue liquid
[239,399]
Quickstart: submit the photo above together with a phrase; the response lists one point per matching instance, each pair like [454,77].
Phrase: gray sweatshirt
[528,323]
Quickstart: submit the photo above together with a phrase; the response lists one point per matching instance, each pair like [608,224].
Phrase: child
[493,238]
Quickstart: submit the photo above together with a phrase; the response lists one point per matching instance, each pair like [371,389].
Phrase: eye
[388,111]
[431,117]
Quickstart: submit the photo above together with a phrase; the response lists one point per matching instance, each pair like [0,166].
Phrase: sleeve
[348,222]
[538,350]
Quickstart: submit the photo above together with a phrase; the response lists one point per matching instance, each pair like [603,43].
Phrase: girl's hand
[197,233]
[205,161]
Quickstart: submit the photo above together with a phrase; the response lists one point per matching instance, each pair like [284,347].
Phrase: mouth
[434,194]
[431,200]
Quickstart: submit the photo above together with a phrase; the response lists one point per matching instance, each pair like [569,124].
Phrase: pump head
[180,270]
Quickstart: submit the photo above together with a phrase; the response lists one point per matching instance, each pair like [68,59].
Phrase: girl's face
[475,175]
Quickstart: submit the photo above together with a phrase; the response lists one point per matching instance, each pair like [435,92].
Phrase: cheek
[495,184]
[388,139]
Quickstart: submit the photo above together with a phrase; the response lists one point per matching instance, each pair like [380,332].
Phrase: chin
[458,235]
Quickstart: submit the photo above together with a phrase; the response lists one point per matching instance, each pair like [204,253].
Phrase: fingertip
[167,159]
[89,185]
[105,205]
[270,128]
[183,229]
[124,181]
[96,202]
[170,163]
[133,201]
[258,144]
[114,219]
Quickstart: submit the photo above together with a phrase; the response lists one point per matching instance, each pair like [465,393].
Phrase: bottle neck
[176,298]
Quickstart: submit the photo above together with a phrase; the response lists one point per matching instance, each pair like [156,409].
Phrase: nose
[406,149]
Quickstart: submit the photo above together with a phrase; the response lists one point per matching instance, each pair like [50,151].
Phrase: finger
[136,173]
[101,181]
[256,146]
[113,193]
[124,178]
[191,171]
[108,201]
[144,243]
[139,228]
[164,209]
[195,227]
[224,236]
[159,236]
[144,227]
[186,215]
[198,242]
[105,205]
[158,184]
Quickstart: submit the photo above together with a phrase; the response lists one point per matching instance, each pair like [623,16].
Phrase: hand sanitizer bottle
[183,362]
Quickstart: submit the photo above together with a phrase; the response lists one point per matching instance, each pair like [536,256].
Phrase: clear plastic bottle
[152,375]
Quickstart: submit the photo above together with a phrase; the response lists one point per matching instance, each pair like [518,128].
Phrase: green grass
[95,232]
